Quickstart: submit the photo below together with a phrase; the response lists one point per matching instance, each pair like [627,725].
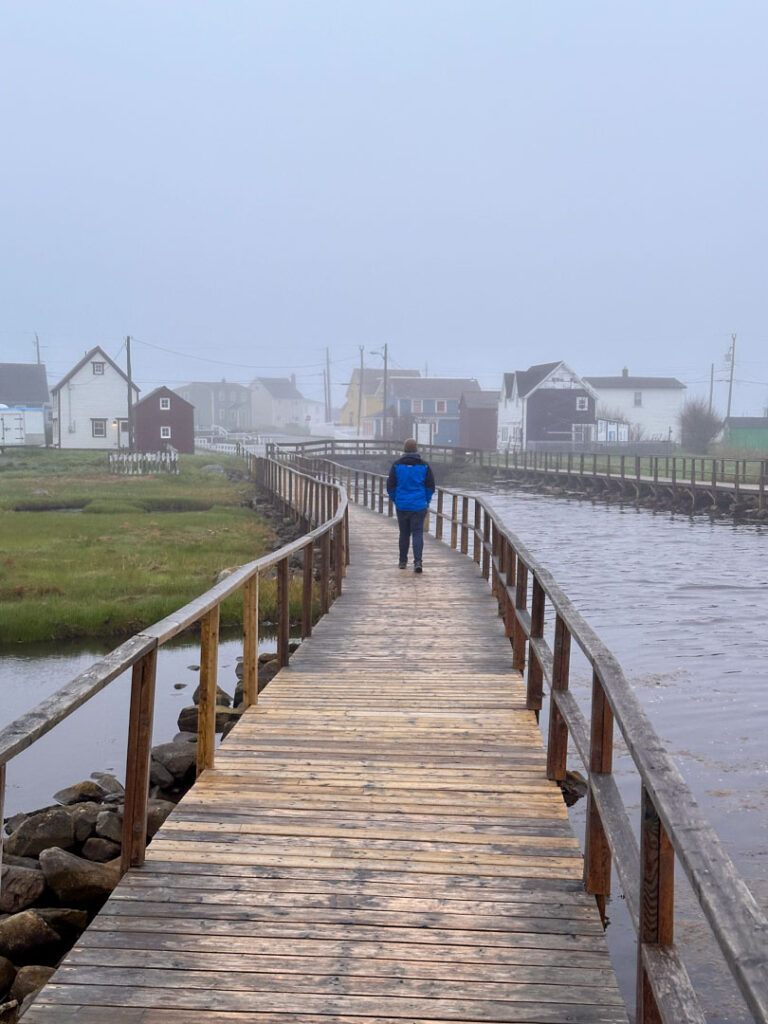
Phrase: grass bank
[87,554]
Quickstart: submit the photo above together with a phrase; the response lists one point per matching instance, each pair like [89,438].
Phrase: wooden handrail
[671,825]
[301,496]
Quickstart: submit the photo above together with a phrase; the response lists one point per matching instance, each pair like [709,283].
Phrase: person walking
[410,486]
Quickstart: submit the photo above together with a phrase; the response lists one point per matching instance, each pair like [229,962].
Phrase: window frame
[165,403]
[163,435]
[638,400]
[582,403]
[98,366]
[441,406]
[98,421]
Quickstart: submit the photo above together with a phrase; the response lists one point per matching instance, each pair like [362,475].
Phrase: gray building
[25,405]
[218,404]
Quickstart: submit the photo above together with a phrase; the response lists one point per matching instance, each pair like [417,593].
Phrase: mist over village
[383,512]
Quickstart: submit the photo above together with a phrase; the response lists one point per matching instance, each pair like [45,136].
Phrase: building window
[165,403]
[98,369]
[504,434]
[581,433]
[582,403]
[99,427]
[165,433]
[638,398]
[416,405]
[441,405]
[123,426]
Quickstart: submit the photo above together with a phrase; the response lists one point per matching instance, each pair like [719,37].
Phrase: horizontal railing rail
[320,508]
[671,824]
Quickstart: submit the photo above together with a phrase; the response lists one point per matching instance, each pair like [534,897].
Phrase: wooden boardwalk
[377,842]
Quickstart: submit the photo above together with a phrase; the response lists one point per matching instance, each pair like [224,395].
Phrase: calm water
[684,606]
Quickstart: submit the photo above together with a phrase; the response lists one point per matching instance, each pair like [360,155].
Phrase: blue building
[427,408]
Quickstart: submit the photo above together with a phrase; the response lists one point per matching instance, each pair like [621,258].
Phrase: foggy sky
[481,185]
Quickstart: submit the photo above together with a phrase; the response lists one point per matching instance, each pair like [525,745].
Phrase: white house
[90,404]
[651,405]
[277,402]
[546,404]
[25,405]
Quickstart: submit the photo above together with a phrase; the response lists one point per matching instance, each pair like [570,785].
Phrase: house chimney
[625,372]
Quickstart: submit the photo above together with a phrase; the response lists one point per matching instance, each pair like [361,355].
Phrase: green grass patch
[129,551]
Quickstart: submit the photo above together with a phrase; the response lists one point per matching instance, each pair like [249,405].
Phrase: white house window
[165,403]
[98,369]
[416,405]
[123,426]
[638,398]
[165,433]
[99,427]
[441,405]
[582,403]
[504,434]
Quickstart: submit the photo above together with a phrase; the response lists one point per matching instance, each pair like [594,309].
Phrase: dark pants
[411,525]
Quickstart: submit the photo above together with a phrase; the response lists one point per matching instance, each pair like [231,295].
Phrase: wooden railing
[320,508]
[671,825]
[680,470]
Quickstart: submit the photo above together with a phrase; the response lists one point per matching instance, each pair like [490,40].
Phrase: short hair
[411,445]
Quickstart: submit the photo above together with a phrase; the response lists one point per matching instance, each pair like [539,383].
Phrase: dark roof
[166,392]
[528,379]
[634,382]
[431,387]
[99,354]
[373,377]
[748,422]
[23,384]
[480,399]
[509,384]
[279,387]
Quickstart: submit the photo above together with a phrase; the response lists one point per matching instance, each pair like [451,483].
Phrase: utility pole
[711,385]
[130,396]
[360,392]
[384,411]
[328,412]
[37,347]
[730,383]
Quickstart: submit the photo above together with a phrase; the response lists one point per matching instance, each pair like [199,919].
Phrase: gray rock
[109,783]
[100,850]
[157,812]
[222,697]
[7,974]
[84,817]
[159,775]
[78,882]
[19,888]
[41,831]
[26,933]
[185,737]
[211,467]
[180,686]
[30,980]
[179,759]
[21,862]
[67,922]
[80,793]
[109,825]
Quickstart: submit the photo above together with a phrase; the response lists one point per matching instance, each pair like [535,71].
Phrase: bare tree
[698,425]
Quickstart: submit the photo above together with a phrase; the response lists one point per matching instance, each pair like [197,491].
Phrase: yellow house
[372,393]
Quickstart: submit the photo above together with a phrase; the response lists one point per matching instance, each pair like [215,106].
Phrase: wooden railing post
[657,899]
[535,673]
[306,596]
[439,517]
[557,745]
[325,572]
[476,541]
[250,641]
[134,838]
[464,525]
[283,612]
[518,632]
[597,852]
[338,552]
[486,544]
[454,517]
[206,707]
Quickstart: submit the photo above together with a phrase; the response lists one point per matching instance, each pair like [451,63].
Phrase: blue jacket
[410,483]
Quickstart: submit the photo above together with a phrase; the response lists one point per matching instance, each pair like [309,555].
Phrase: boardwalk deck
[377,842]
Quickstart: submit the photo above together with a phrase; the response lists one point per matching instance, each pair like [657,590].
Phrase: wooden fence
[141,463]
[671,825]
[321,508]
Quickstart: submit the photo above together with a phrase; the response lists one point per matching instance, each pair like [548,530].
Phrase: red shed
[478,417]
[164,420]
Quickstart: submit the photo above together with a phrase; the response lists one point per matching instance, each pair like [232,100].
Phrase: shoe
[402,565]
[417,567]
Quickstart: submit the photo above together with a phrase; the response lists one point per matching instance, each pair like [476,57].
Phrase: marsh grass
[128,551]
